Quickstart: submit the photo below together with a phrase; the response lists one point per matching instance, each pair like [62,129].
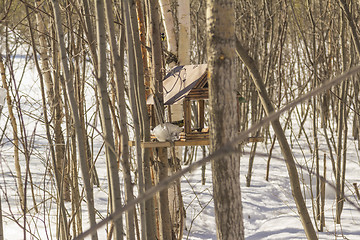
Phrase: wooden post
[164,213]
[187,116]
[201,114]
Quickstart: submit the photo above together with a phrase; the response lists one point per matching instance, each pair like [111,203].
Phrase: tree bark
[184,31]
[223,117]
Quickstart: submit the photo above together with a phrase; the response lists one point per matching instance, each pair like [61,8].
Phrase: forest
[179,119]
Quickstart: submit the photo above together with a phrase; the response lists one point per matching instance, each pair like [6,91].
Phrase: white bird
[167,132]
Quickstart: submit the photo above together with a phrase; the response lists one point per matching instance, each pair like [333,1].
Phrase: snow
[268,207]
[2,96]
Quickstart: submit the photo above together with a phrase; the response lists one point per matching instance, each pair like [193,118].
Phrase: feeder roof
[179,82]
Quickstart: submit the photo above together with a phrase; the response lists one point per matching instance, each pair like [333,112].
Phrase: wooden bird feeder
[186,85]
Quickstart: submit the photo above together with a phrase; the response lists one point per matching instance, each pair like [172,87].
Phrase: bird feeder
[186,85]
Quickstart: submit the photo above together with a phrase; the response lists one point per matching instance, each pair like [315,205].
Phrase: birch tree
[184,32]
[53,95]
[169,25]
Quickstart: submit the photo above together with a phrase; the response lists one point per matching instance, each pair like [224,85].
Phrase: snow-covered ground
[268,206]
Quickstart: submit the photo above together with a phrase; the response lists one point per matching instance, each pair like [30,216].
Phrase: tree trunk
[118,61]
[353,28]
[63,233]
[90,31]
[284,145]
[1,107]
[141,93]
[223,117]
[164,213]
[175,197]
[1,222]
[15,134]
[184,31]
[139,110]
[169,25]
[146,155]
[111,159]
[157,86]
[340,124]
[75,115]
[53,95]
